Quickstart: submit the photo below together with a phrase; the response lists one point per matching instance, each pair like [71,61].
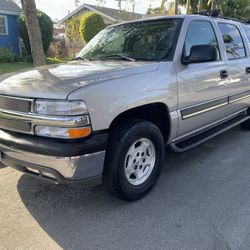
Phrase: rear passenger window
[247,30]
[200,33]
[233,41]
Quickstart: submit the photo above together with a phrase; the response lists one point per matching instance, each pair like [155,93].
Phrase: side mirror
[200,53]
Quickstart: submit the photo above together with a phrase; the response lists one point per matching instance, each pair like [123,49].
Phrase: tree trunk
[163,3]
[176,7]
[35,37]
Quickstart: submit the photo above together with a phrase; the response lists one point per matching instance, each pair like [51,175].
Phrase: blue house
[9,38]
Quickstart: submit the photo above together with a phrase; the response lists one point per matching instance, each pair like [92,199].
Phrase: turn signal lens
[79,132]
[65,133]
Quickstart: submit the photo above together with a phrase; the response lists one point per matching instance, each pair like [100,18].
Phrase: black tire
[246,124]
[122,137]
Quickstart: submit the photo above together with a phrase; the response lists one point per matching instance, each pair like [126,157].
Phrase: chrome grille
[15,104]
[15,125]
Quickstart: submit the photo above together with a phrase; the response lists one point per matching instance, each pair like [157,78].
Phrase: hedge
[91,24]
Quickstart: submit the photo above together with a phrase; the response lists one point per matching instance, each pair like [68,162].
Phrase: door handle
[223,74]
[247,70]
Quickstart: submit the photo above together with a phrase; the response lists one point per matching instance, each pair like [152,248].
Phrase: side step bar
[192,142]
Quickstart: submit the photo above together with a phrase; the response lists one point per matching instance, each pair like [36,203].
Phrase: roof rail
[211,13]
[216,14]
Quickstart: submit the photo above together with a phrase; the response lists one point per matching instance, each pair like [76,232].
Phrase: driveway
[202,201]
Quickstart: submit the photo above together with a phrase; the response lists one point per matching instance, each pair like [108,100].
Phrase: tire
[125,178]
[246,124]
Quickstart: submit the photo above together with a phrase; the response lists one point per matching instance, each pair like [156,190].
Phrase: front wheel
[134,159]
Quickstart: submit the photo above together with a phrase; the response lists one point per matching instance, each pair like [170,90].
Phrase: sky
[57,9]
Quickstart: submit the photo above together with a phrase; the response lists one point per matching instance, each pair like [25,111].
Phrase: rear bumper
[61,164]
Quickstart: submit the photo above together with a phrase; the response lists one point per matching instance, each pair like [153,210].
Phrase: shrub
[73,34]
[46,26]
[6,55]
[91,24]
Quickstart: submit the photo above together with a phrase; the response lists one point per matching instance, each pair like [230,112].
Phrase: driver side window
[200,33]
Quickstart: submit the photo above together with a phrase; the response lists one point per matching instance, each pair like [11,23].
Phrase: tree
[46,27]
[35,37]
[91,24]
[238,9]
[72,32]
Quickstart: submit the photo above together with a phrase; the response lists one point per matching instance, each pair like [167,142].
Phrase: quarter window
[200,33]
[233,41]
[3,25]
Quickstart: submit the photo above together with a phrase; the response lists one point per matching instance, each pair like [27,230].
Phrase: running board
[192,142]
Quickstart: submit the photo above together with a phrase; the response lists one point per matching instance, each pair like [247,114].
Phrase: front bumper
[75,161]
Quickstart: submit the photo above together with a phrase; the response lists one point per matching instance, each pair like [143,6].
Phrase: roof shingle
[117,14]
[113,14]
[8,5]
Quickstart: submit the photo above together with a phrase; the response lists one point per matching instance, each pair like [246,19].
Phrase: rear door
[203,90]
[237,55]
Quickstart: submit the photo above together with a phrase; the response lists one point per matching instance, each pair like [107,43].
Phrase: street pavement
[200,202]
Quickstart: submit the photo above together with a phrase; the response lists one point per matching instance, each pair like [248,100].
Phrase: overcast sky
[57,9]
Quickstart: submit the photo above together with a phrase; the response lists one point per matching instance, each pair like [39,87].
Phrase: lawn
[11,67]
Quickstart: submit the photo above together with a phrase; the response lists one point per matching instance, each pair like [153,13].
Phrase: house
[110,16]
[9,38]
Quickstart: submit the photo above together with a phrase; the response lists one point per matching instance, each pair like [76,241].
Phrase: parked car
[135,88]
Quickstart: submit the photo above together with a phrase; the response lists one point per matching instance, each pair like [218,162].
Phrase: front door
[202,87]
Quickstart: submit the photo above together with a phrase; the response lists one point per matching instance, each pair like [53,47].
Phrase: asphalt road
[200,202]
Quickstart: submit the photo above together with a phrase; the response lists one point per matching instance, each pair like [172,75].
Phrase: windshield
[147,40]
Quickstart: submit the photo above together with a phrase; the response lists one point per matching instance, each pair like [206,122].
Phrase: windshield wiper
[117,56]
[82,58]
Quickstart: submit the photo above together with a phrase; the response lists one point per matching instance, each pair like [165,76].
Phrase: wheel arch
[157,113]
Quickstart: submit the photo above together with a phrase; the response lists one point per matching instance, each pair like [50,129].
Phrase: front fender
[108,99]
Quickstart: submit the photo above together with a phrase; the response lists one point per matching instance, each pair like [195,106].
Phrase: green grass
[11,67]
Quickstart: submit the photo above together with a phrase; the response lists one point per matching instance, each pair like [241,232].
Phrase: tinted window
[247,30]
[151,40]
[199,33]
[233,41]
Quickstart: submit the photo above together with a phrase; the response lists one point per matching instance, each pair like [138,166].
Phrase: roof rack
[216,14]
[211,13]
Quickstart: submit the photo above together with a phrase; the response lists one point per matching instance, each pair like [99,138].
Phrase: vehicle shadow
[2,166]
[186,201]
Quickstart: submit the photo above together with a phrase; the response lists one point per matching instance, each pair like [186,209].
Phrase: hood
[58,81]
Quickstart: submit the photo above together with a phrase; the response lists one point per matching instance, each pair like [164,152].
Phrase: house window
[3,25]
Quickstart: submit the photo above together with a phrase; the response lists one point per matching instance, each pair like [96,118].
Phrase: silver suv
[135,88]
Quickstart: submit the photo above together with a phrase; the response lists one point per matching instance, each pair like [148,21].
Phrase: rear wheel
[134,159]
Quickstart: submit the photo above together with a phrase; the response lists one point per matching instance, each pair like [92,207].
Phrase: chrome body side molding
[211,105]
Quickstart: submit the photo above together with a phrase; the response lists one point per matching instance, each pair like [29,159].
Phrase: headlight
[47,107]
[64,133]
